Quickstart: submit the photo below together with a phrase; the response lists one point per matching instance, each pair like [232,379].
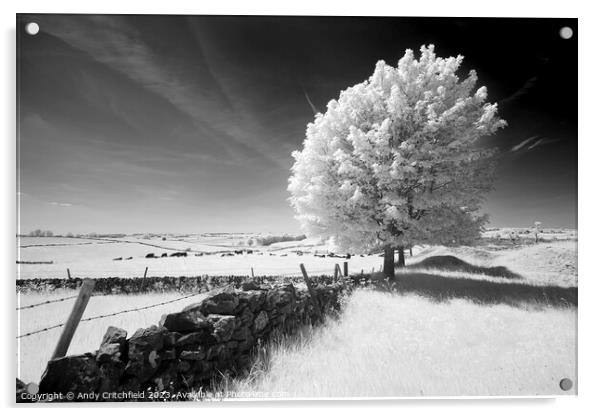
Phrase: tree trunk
[411,254]
[389,262]
[401,259]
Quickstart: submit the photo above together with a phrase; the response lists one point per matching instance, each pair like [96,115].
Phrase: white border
[590,150]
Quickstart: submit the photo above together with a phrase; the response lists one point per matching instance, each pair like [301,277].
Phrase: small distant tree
[393,161]
[69,235]
[537,227]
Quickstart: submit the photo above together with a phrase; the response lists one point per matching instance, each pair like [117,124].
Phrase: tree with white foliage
[394,161]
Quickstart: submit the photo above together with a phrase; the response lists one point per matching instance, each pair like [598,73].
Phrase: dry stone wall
[127,285]
[189,348]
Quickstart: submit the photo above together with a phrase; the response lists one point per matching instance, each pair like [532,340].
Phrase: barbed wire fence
[101,316]
[322,272]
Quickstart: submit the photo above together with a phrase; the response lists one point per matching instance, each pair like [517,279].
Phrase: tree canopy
[395,160]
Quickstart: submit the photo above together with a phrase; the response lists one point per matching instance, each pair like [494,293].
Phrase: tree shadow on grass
[453,263]
[507,290]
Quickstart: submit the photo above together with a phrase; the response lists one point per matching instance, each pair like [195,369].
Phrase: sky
[186,124]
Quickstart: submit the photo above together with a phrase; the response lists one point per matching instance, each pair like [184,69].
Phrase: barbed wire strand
[110,314]
[46,302]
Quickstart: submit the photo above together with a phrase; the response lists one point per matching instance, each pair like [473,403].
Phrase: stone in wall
[76,373]
[224,302]
[185,321]
[111,358]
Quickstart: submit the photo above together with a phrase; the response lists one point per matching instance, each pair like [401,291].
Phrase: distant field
[94,258]
[528,234]
[553,263]
[45,241]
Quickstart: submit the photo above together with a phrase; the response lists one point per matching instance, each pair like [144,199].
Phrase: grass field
[388,344]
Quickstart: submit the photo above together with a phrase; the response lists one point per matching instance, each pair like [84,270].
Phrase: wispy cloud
[313,107]
[523,143]
[542,142]
[60,204]
[112,41]
[532,143]
[523,90]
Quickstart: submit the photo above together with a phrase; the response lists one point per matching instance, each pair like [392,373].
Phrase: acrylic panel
[243,207]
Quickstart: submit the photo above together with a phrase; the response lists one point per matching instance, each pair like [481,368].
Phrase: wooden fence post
[145,271]
[338,269]
[345,269]
[310,288]
[252,274]
[68,273]
[73,321]
[336,272]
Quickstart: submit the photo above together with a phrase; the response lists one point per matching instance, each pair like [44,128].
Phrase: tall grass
[388,344]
